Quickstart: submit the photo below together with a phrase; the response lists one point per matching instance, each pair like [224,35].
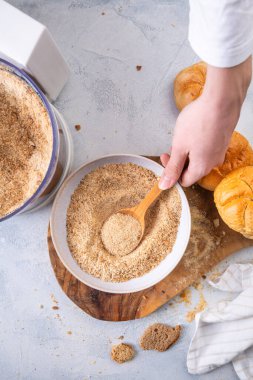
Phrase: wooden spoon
[139,211]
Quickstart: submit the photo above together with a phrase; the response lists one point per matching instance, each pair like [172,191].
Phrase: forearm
[228,86]
[224,93]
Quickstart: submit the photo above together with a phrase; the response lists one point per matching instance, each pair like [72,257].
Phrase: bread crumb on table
[122,353]
[159,337]
[202,304]
[77,127]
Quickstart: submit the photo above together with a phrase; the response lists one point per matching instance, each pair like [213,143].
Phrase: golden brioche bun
[238,155]
[189,83]
[234,200]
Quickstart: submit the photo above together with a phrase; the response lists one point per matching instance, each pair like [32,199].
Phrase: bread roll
[238,155]
[234,200]
[189,83]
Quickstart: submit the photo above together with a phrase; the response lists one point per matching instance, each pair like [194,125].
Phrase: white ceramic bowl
[59,235]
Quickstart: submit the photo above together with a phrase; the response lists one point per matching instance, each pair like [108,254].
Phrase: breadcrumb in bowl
[122,282]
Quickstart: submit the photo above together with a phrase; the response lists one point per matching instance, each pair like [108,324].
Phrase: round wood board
[211,241]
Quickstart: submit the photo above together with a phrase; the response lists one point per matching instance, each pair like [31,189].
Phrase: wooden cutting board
[211,241]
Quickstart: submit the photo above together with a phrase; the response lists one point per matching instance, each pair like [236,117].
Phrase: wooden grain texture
[211,241]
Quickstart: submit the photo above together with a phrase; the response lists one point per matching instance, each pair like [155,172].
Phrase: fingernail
[165,183]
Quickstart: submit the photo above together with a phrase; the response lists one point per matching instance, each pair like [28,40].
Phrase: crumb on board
[77,127]
[185,296]
[55,307]
[190,316]
[216,223]
[138,67]
[103,13]
[69,332]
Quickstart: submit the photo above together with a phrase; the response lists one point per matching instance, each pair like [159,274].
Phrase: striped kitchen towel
[224,332]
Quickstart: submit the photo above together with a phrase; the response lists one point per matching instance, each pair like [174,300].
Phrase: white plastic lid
[28,44]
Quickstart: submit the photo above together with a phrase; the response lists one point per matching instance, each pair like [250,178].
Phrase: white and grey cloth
[224,332]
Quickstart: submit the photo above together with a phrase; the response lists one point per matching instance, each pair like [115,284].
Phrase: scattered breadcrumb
[214,275]
[186,296]
[53,298]
[69,332]
[105,191]
[159,337]
[138,67]
[122,353]
[197,285]
[190,316]
[77,127]
[55,307]
[216,223]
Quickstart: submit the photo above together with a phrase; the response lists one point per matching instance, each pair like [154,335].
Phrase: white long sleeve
[221,31]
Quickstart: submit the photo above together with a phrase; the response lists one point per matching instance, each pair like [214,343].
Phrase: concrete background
[120,110]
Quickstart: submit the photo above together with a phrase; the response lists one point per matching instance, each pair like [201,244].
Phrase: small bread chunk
[159,337]
[122,352]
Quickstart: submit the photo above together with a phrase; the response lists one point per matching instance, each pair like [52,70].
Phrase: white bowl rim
[187,231]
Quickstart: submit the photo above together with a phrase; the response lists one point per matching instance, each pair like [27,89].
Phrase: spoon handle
[152,195]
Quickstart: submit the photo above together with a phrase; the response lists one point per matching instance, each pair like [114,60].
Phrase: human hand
[204,127]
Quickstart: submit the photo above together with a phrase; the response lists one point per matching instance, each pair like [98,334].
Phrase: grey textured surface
[120,110]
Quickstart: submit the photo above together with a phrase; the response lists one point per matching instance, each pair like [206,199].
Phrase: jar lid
[28,44]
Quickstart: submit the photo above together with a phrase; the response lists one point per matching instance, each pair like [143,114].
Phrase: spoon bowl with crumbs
[123,231]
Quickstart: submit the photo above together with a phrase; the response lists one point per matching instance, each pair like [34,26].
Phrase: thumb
[173,169]
[164,159]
